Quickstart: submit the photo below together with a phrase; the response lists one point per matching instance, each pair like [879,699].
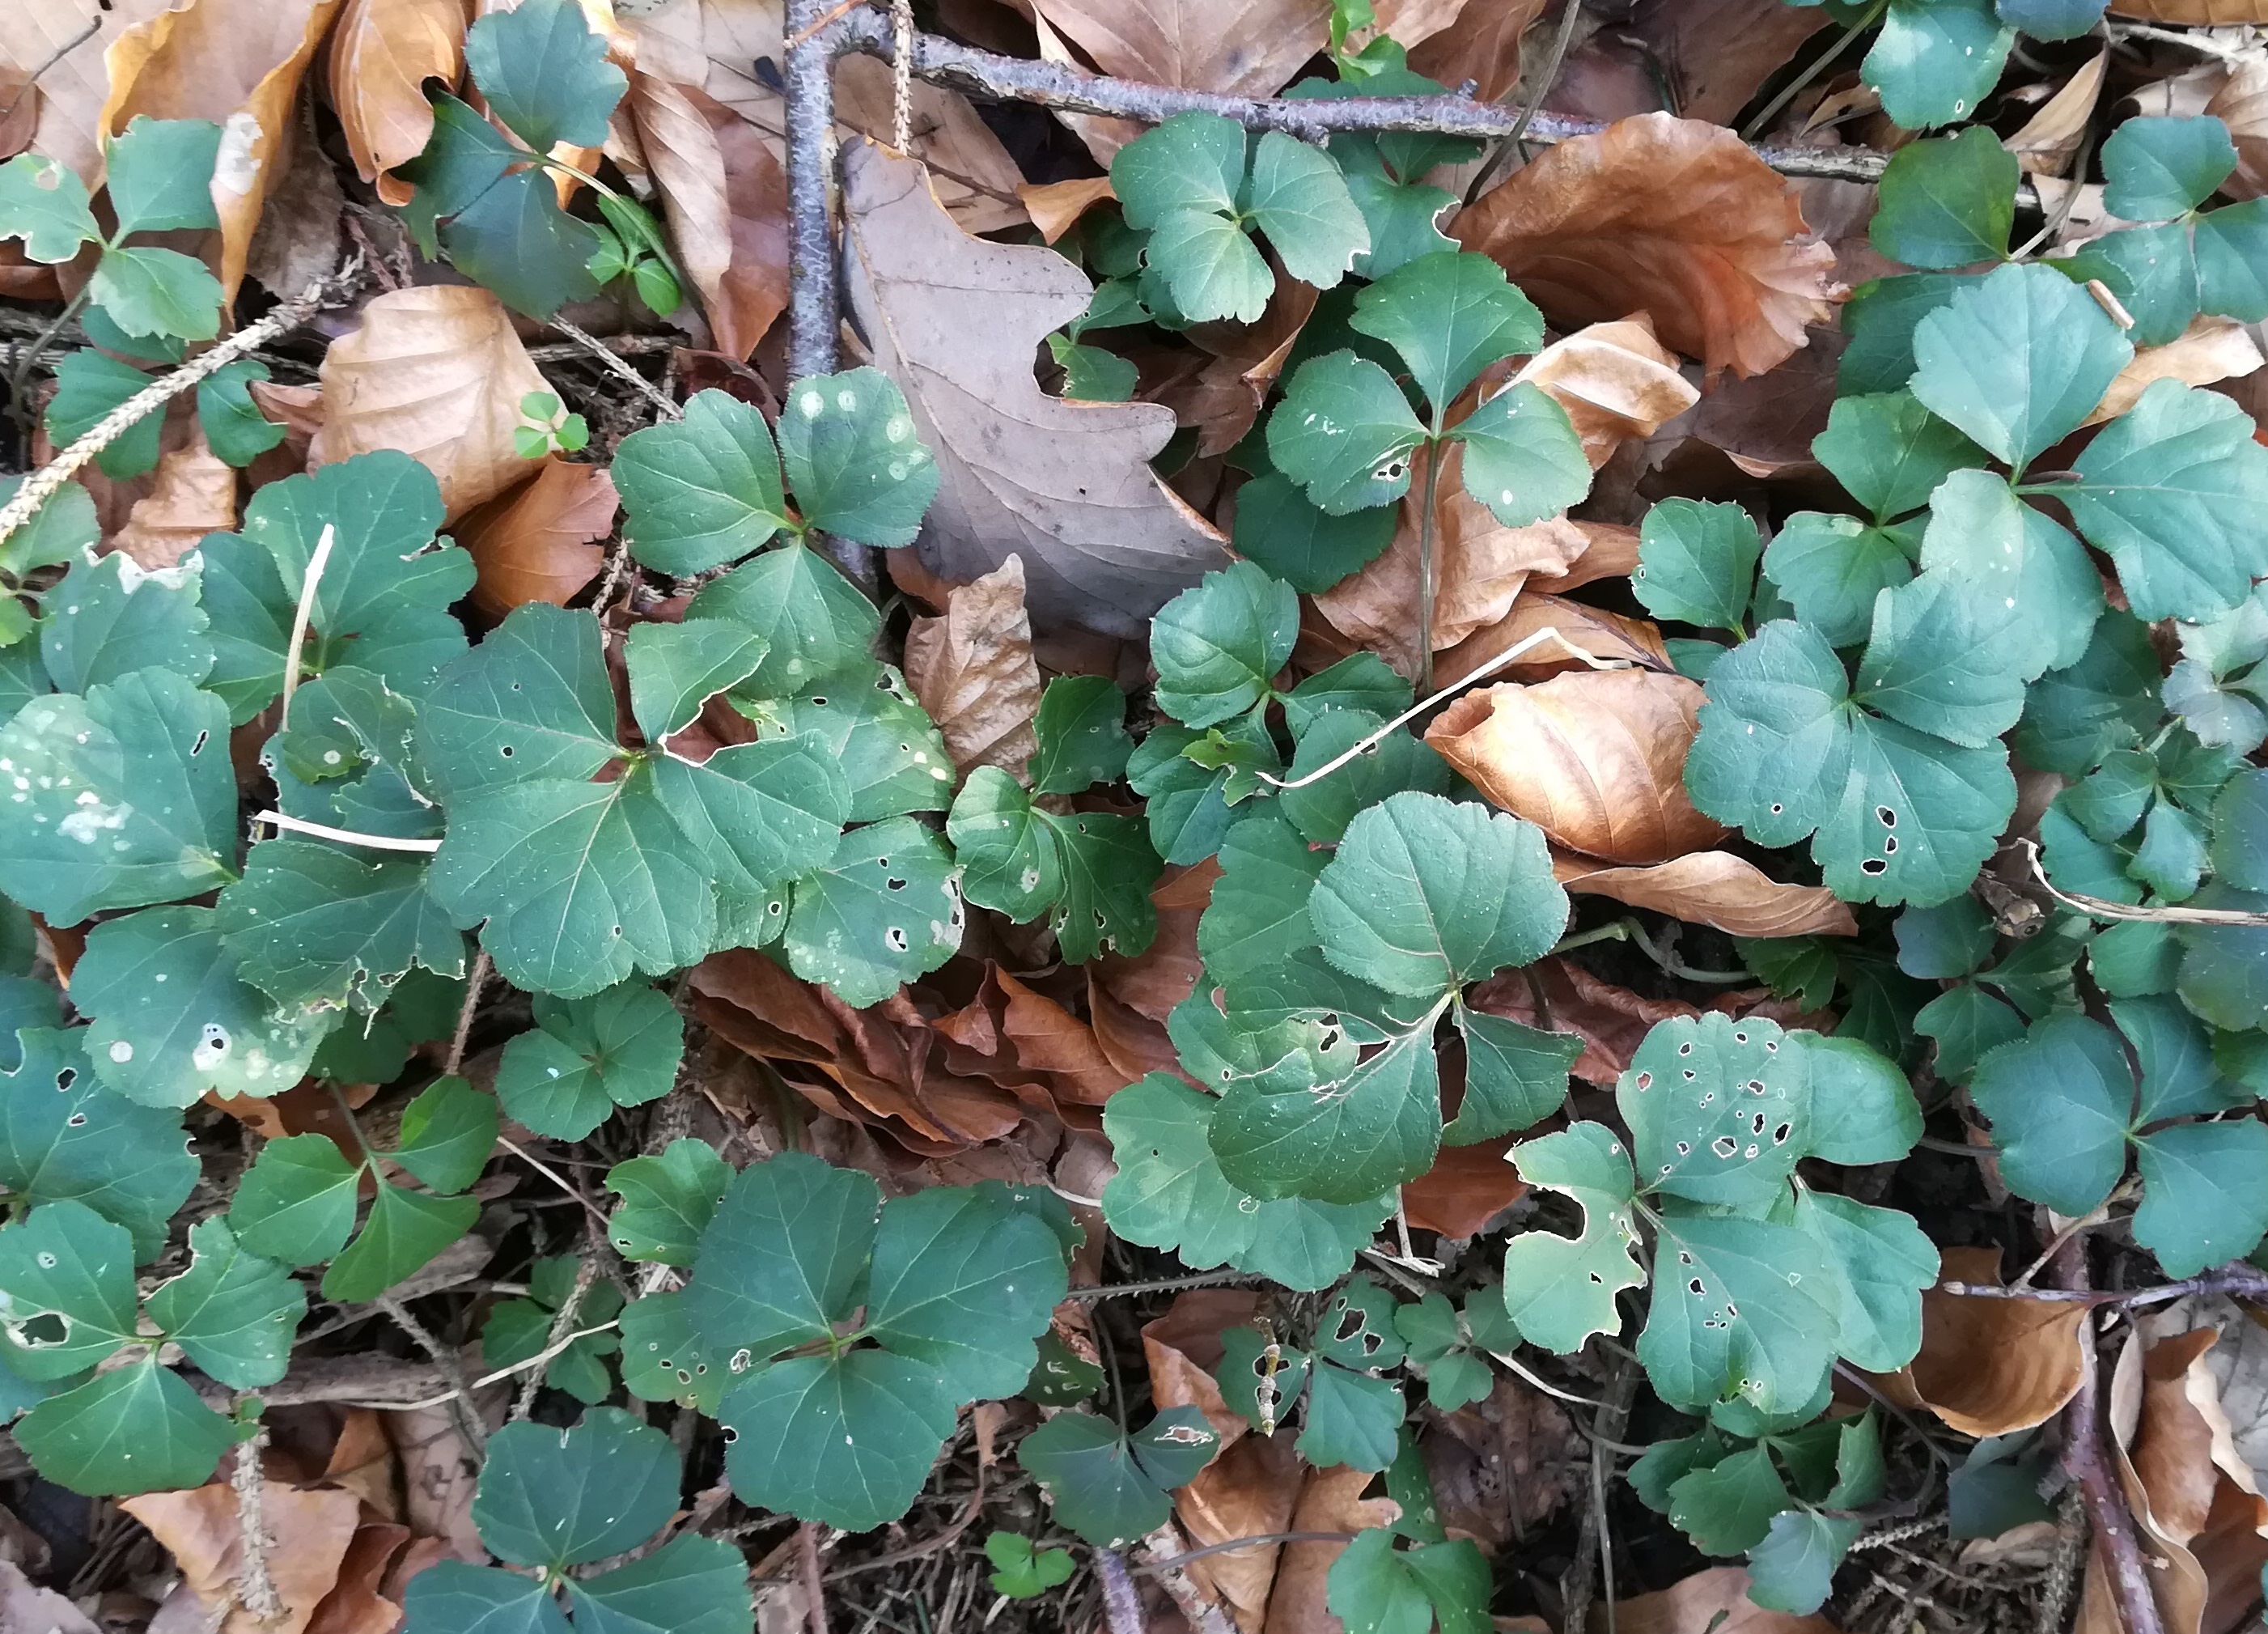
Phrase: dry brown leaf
[24,1605]
[311,1531]
[1056,206]
[1247,1491]
[298,238]
[1765,424]
[1596,758]
[1182,1348]
[1714,888]
[973,670]
[1609,552]
[1503,1466]
[437,371]
[2209,350]
[1166,972]
[1466,1188]
[1408,22]
[1613,1021]
[2240,102]
[22,278]
[1593,629]
[1331,1500]
[238,63]
[1671,217]
[1066,485]
[1990,1366]
[440,1477]
[20,97]
[1239,48]
[354,1605]
[193,493]
[1723,50]
[382,54]
[533,544]
[725,199]
[1223,399]
[2049,139]
[1482,45]
[74,85]
[1716,1601]
[1615,381]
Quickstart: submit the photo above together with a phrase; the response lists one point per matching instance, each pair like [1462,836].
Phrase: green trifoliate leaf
[617,1048]
[159,172]
[1340,1142]
[66,1290]
[135,1429]
[1793,1569]
[1398,761]
[675,669]
[318,925]
[2204,1192]
[1201,266]
[108,618]
[1021,1573]
[2074,716]
[790,1453]
[2224,971]
[1719,1110]
[2060,1100]
[2156,168]
[783,1254]
[1310,549]
[1829,569]
[1728,1507]
[818,623]
[232,1312]
[1878,1263]
[1697,563]
[1940,660]
[1523,458]
[856,468]
[1948,201]
[2228,244]
[2018,360]
[2240,831]
[667,1199]
[1191,161]
[44,203]
[545,74]
[555,1498]
[1425,895]
[1737,1314]
[296,1203]
[887,750]
[1515,1077]
[1109,870]
[2035,588]
[2169,489]
[63,1135]
[1011,857]
[1935,60]
[403,1231]
[1559,1291]
[447,1132]
[886,910]
[88,386]
[703,490]
[757,815]
[1109,1487]
[1218,645]
[1352,1418]
[1375,1588]
[450,1594]
[1357,1329]
[1344,433]
[1889,453]
[530,702]
[1296,196]
[689,1585]
[174,1019]
[1449,317]
[148,291]
[962,1282]
[1081,727]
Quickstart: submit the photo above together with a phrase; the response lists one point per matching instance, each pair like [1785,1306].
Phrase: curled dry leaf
[436,372]
[1482,45]
[2240,102]
[2211,350]
[1248,1490]
[1056,206]
[1466,1188]
[1670,217]
[1067,487]
[1331,1500]
[74,83]
[533,544]
[2046,143]
[1988,1366]
[1615,379]
[1596,758]
[1713,888]
[1183,1350]
[1591,630]
[192,494]
[382,53]
[725,197]
[1716,1600]
[311,1531]
[1609,552]
[238,63]
[974,672]
[1611,1021]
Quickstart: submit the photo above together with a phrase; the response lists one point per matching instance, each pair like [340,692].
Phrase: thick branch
[2087,1455]
[1059,85]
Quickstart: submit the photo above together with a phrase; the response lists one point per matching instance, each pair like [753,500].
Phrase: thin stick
[550,1350]
[553,1175]
[1550,632]
[93,27]
[1165,1284]
[814,1589]
[2234,1279]
[256,1585]
[620,370]
[454,1063]
[459,1399]
[563,1319]
[1794,87]
[1512,143]
[344,835]
[2097,907]
[2088,1458]
[301,615]
[1425,558]
[1514,1365]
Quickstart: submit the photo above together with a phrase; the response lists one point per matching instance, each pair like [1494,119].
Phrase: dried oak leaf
[436,372]
[1596,758]
[725,199]
[1716,1600]
[382,53]
[1713,888]
[955,321]
[1615,379]
[973,669]
[311,1530]
[533,544]
[1987,1367]
[1670,217]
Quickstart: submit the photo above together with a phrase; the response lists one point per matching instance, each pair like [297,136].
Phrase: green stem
[1789,92]
[1619,931]
[1425,563]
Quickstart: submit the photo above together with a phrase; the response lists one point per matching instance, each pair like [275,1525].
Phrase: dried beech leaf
[2048,140]
[192,494]
[2240,102]
[1615,381]
[1594,631]
[2218,13]
[437,371]
[2209,350]
[1724,49]
[1056,206]
[382,54]
[1239,48]
[1248,1490]
[1714,888]
[1669,217]
[1331,1501]
[1596,758]
[973,670]
[725,197]
[533,544]
[74,83]
[311,1531]
[1991,1366]
[1609,552]
[1223,399]
[1482,45]
[1716,1600]
[1066,485]
[1466,1188]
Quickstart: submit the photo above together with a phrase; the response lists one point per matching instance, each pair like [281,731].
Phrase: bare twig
[597,1214]
[1494,167]
[2087,1456]
[2239,1279]
[255,1585]
[557,1343]
[2099,907]
[556,1337]
[613,361]
[1596,1545]
[815,1590]
[1165,1284]
[462,1413]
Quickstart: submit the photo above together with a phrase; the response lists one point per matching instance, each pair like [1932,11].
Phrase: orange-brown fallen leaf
[1223,399]
[382,53]
[1612,1021]
[312,1531]
[1669,217]
[1240,47]
[1466,1188]
[1609,552]
[725,199]
[1331,1500]
[1714,888]
[1990,1366]
[1716,1601]
[193,493]
[1182,1348]
[533,544]
[436,372]
[1503,1466]
[354,1605]
[1616,381]
[1593,629]
[973,669]
[1168,970]
[1247,1491]
[1056,206]
[1482,45]
[2209,350]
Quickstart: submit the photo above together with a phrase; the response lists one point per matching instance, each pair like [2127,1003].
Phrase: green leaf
[1297,196]
[1737,1315]
[1092,374]
[447,1133]
[1357,1328]
[1011,857]
[2205,1193]
[403,1232]
[790,1453]
[2017,360]
[2167,488]
[545,74]
[233,1312]
[148,291]
[1945,943]
[853,460]
[1889,453]
[779,1260]
[1515,1077]
[2156,168]
[174,1019]
[530,702]
[663,1359]
[1793,1569]
[2060,1099]
[1948,201]
[1697,563]
[1343,1142]
[667,1199]
[1191,161]
[1375,1588]
[1109,870]
[1344,433]
[690,1585]
[1398,761]
[1831,568]
[818,623]
[1201,268]
[1560,1290]
[1719,1111]
[44,203]
[63,1135]
[1217,645]
[1108,1487]
[1939,662]
[2016,561]
[296,1203]
[1862,1109]
[481,1600]
[233,425]
[88,386]
[620,1047]
[1935,60]
[557,1499]
[885,911]
[703,490]
[1878,1263]
[66,1290]
[1021,1573]
[1523,458]
[2074,716]
[1449,317]
[2227,245]
[317,926]
[1352,1419]
[61,531]
[1425,895]
[1310,549]
[135,1429]
[675,669]
[1260,1378]
[1880,319]
[1728,1507]
[159,172]
[108,618]
[1081,727]
[962,1283]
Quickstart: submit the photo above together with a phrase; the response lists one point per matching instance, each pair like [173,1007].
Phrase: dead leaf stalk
[2098,907]
[2239,1280]
[455,1060]
[255,1585]
[300,616]
[1596,1546]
